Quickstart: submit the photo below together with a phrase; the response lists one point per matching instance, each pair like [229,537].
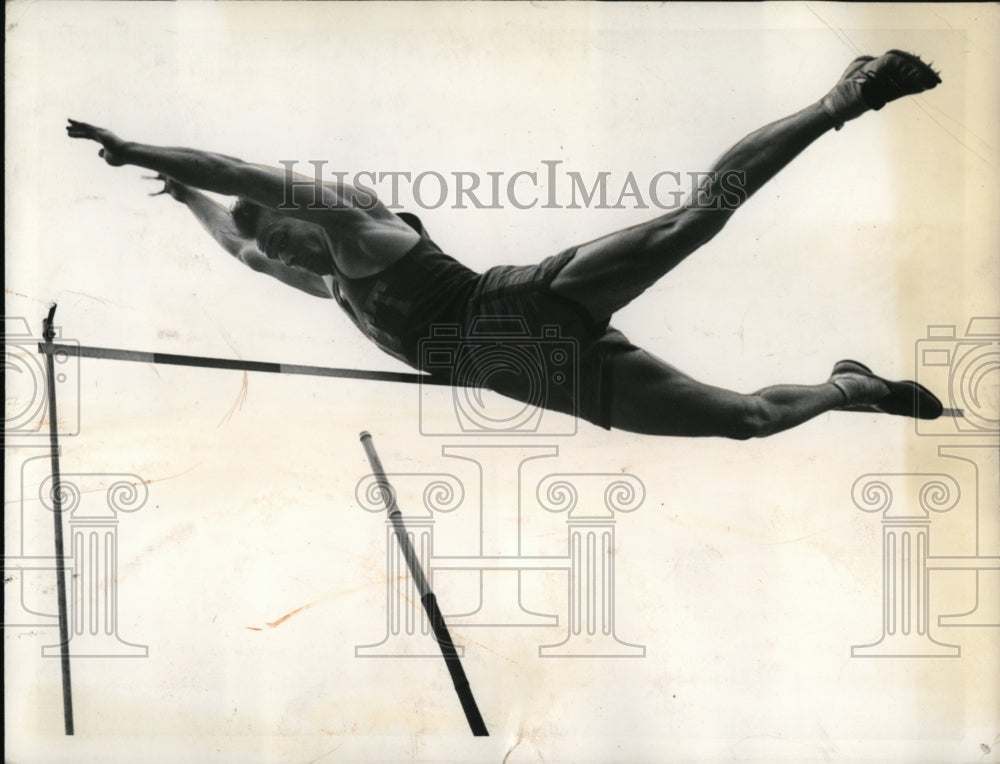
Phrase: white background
[748,573]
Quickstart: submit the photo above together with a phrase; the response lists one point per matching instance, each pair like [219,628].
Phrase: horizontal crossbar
[115,354]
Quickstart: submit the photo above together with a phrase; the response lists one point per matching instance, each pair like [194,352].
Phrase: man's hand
[113,147]
[174,188]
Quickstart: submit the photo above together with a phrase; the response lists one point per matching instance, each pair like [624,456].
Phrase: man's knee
[754,419]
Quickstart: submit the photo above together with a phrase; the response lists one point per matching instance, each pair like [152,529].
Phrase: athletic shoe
[906,398]
[871,83]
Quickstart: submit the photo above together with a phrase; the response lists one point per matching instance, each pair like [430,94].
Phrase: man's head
[286,239]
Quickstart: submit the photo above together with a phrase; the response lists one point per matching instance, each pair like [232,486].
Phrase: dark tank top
[396,307]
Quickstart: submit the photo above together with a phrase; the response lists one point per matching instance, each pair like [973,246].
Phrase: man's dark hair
[246,215]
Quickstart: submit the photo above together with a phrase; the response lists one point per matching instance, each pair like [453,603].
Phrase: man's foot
[864,391]
[870,83]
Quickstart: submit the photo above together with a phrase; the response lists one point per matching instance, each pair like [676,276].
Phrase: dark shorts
[547,350]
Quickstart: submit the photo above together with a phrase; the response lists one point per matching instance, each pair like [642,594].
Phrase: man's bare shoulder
[368,241]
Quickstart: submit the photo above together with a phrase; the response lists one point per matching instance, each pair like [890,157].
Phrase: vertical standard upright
[427,598]
[48,332]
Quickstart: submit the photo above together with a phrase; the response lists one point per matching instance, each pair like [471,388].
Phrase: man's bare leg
[608,273]
[653,398]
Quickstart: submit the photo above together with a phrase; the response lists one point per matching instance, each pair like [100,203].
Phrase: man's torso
[395,306]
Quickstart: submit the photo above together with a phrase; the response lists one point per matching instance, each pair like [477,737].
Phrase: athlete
[331,239]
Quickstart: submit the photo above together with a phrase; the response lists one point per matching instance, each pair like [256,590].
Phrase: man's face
[293,242]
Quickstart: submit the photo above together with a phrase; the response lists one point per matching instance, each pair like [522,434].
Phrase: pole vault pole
[48,332]
[427,598]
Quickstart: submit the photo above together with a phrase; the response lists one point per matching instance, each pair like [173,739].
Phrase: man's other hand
[112,147]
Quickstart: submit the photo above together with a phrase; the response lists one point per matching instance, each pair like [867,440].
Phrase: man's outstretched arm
[219,223]
[268,187]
